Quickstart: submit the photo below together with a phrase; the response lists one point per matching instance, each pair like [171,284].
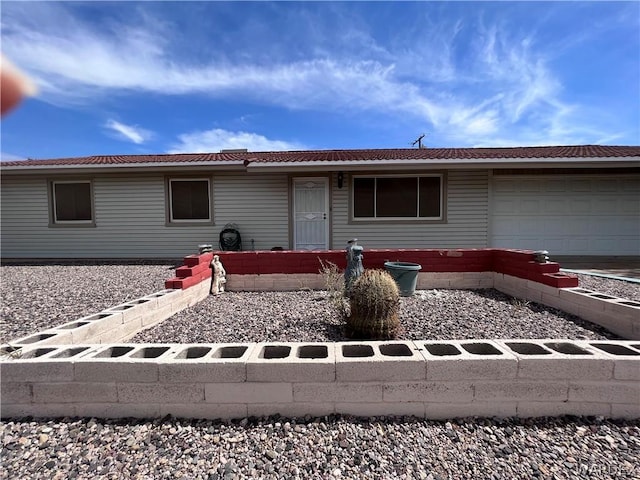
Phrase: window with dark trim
[72,202]
[189,200]
[397,197]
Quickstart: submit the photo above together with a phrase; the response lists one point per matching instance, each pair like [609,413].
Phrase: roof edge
[483,163]
[120,166]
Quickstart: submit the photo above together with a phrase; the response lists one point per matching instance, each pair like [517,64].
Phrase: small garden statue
[354,264]
[219,276]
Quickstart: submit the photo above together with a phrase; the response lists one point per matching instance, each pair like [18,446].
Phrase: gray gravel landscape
[322,448]
[311,316]
[37,297]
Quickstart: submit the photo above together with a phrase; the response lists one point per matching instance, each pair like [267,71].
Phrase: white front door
[311,213]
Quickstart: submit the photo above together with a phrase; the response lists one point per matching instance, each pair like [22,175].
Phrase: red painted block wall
[517,263]
[185,271]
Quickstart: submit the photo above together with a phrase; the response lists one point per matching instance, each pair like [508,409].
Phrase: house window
[397,197]
[72,202]
[189,200]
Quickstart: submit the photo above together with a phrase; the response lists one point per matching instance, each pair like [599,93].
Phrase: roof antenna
[419,141]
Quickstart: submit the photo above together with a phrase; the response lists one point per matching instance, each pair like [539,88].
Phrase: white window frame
[397,219]
[174,221]
[54,209]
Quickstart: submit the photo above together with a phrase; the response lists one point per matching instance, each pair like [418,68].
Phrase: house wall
[131,220]
[465,227]
[258,203]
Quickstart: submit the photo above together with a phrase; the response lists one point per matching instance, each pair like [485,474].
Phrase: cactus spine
[375,306]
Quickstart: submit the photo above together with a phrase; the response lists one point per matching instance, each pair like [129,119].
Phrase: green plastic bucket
[405,274]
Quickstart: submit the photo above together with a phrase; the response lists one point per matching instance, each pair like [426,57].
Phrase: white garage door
[588,215]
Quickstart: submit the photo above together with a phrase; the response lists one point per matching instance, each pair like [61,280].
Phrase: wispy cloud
[218,139]
[132,133]
[10,157]
[506,89]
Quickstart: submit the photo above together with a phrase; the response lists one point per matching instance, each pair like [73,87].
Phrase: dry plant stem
[334,283]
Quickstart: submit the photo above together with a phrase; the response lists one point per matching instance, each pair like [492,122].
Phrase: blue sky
[164,77]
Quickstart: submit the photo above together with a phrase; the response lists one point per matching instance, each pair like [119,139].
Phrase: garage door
[567,215]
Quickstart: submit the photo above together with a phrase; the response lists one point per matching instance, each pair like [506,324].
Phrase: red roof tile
[576,151]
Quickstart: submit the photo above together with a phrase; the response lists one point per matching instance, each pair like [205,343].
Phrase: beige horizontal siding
[258,203]
[131,221]
[130,218]
[466,225]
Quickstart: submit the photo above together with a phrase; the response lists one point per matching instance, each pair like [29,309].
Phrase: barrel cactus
[375,307]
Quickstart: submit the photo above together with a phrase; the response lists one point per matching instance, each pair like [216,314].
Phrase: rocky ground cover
[322,448]
[39,297]
[35,297]
[311,316]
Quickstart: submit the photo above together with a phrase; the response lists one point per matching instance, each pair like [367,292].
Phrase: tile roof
[290,157]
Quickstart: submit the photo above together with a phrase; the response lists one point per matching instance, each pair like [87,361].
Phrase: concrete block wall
[618,315]
[315,281]
[514,272]
[78,369]
[196,269]
[119,323]
[522,264]
[428,379]
[275,282]
[286,270]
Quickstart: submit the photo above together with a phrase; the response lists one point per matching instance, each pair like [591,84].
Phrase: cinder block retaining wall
[618,315]
[517,263]
[432,379]
[514,272]
[79,369]
[119,323]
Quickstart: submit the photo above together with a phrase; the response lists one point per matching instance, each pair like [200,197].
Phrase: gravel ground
[37,297]
[622,289]
[310,316]
[330,447]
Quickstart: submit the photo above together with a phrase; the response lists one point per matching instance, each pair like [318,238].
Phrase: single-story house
[569,200]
